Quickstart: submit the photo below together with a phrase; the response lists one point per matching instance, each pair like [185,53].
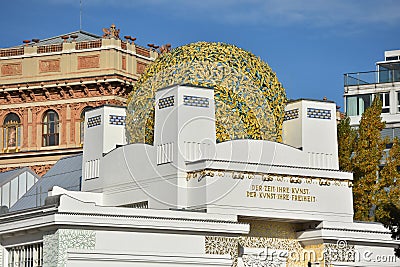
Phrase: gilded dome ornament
[249,99]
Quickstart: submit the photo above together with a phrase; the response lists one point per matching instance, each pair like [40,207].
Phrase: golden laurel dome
[249,99]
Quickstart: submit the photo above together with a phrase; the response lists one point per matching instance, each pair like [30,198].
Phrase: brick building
[47,85]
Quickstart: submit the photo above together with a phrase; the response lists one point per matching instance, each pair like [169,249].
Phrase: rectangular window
[5,200]
[392,58]
[398,101]
[356,105]
[27,255]
[385,102]
[13,191]
[22,184]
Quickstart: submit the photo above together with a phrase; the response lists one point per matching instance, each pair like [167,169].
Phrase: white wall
[104,130]
[313,132]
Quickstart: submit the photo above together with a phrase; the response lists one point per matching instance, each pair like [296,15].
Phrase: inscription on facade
[297,194]
[52,65]
[11,69]
[88,62]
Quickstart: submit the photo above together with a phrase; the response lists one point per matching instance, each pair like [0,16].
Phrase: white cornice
[74,213]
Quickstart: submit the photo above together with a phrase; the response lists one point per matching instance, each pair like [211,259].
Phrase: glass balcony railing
[372,77]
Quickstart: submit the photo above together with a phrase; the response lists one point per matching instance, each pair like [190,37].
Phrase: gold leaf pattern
[249,100]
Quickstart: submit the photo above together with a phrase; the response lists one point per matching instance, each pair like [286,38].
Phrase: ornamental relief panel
[55,246]
[60,93]
[263,235]
[11,69]
[222,245]
[275,244]
[87,62]
[51,65]
[140,67]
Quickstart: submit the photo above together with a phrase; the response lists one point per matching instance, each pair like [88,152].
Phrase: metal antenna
[80,14]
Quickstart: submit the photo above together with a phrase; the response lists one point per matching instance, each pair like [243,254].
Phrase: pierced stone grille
[317,113]
[196,101]
[94,121]
[291,114]
[166,102]
[117,120]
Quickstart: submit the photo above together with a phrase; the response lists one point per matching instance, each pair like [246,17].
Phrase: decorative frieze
[264,235]
[269,177]
[52,65]
[88,62]
[11,69]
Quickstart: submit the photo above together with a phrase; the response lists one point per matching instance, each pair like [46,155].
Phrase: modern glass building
[361,87]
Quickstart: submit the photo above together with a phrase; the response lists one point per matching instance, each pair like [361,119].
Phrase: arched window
[82,123]
[50,128]
[11,133]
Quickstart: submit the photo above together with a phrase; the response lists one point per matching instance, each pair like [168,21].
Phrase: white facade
[188,200]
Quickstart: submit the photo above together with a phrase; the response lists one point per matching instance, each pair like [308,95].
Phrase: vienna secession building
[208,165]
[47,85]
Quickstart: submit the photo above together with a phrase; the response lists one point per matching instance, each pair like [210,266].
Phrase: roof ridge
[78,31]
[54,39]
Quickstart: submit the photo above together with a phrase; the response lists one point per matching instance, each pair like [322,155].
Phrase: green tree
[346,141]
[368,152]
[387,189]
[361,152]
[387,193]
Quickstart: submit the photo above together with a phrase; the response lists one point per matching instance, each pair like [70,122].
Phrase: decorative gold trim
[268,177]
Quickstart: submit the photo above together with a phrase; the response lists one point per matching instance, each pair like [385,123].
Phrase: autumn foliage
[376,190]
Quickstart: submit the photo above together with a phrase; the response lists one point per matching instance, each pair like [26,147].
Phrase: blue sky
[310,44]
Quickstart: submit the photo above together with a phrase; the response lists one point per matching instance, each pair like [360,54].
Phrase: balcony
[372,77]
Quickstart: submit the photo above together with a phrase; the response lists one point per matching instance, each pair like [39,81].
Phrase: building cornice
[264,168]
[72,213]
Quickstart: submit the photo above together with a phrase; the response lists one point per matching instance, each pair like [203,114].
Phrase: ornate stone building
[47,85]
